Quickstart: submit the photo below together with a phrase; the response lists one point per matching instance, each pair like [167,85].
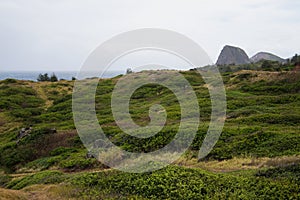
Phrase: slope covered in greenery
[261,136]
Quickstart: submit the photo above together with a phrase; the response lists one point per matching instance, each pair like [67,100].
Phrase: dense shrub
[182,183]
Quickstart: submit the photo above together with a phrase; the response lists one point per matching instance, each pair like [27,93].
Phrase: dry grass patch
[54,192]
[39,192]
[38,87]
[268,75]
[6,194]
[236,164]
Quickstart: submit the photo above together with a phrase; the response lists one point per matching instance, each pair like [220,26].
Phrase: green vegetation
[263,65]
[295,60]
[169,183]
[182,183]
[45,177]
[45,77]
[263,121]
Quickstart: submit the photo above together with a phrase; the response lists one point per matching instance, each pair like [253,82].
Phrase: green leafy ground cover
[263,120]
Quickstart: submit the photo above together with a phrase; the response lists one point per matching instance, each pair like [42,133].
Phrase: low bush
[4,180]
[182,183]
[45,177]
[291,172]
[78,161]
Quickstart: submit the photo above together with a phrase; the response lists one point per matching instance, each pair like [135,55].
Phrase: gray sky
[58,35]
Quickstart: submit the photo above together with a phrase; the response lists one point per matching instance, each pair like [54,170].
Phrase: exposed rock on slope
[233,55]
[266,56]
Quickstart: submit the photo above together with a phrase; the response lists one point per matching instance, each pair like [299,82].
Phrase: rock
[232,55]
[89,155]
[21,133]
[24,132]
[52,131]
[266,56]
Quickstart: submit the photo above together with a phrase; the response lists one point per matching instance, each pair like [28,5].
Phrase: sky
[59,35]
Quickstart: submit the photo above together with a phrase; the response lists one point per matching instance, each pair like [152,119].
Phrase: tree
[296,60]
[129,71]
[266,64]
[43,77]
[40,77]
[53,78]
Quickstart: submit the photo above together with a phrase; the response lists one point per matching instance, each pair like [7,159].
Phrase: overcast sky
[58,35]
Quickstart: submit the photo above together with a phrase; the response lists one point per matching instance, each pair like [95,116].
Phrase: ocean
[32,76]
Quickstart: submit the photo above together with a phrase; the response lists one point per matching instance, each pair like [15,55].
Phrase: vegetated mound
[232,55]
[266,56]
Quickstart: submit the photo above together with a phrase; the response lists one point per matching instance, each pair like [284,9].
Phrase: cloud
[59,35]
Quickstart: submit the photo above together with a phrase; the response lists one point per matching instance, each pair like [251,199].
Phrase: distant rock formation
[266,56]
[232,55]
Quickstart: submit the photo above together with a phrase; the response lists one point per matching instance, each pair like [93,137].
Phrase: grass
[6,194]
[239,163]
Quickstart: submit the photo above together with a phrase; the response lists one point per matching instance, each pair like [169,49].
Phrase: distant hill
[233,55]
[266,56]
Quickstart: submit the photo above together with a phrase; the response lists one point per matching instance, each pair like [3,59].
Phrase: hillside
[257,156]
[266,56]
